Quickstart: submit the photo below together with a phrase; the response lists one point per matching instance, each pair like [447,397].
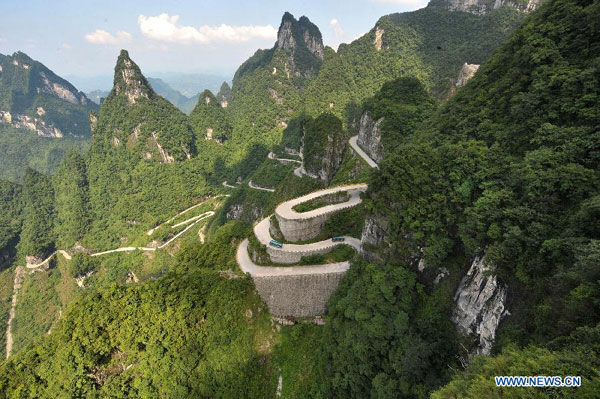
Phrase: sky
[83,37]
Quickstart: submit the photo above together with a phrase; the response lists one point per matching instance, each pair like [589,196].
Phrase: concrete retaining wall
[289,257]
[298,296]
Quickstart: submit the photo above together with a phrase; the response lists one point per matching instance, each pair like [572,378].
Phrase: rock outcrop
[129,79]
[374,240]
[323,147]
[480,7]
[302,41]
[369,136]
[466,73]
[480,305]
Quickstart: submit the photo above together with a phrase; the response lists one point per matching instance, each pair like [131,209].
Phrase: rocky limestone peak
[480,7]
[208,98]
[294,33]
[129,79]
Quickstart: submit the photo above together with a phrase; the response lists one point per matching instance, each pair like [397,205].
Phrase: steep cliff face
[480,7]
[374,241]
[32,97]
[466,73]
[480,305]
[302,41]
[323,147]
[369,136]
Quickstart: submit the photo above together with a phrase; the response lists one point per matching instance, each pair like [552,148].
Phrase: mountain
[482,6]
[209,119]
[32,97]
[137,119]
[267,87]
[431,44]
[185,104]
[97,96]
[224,95]
[190,84]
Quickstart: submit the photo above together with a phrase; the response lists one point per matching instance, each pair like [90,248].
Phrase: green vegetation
[322,201]
[578,358]
[37,235]
[6,291]
[339,253]
[210,120]
[22,149]
[403,104]
[26,85]
[324,145]
[81,264]
[271,173]
[71,198]
[191,335]
[11,203]
[430,44]
[384,339]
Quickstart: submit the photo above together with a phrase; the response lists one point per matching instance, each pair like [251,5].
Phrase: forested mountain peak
[32,97]
[129,79]
[133,116]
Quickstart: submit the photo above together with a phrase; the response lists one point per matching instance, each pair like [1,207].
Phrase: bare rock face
[369,136]
[129,79]
[480,7]
[480,305]
[379,31]
[466,73]
[297,38]
[374,241]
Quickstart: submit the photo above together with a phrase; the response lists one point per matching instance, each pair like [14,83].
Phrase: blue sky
[83,37]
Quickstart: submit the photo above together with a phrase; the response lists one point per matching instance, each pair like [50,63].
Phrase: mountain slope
[266,88]
[32,97]
[430,44]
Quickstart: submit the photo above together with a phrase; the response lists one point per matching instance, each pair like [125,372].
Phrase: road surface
[247,266]
[254,186]
[360,152]
[286,209]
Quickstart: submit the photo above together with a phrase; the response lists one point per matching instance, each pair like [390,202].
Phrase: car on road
[338,239]
[276,244]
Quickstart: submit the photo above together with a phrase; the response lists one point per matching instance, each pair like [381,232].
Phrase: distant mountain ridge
[32,97]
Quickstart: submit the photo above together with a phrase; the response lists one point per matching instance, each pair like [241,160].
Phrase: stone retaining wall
[288,257]
[298,296]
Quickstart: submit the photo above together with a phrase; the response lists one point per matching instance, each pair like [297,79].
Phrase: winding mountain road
[286,209]
[283,160]
[359,151]
[254,186]
[248,266]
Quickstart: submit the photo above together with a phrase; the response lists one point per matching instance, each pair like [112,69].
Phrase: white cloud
[103,37]
[337,28]
[66,46]
[165,28]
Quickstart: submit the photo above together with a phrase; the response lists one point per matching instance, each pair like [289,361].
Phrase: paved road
[254,186]
[254,270]
[286,210]
[225,184]
[195,220]
[360,152]
[261,230]
[283,160]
